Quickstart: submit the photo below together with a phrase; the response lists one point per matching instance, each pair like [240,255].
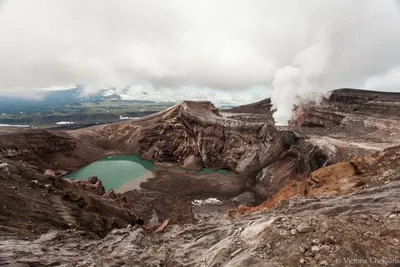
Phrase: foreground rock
[349,232]
[32,203]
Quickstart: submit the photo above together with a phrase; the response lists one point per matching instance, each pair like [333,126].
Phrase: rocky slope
[35,142]
[33,203]
[360,227]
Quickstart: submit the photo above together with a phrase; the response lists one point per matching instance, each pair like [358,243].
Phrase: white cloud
[228,44]
[388,81]
[218,97]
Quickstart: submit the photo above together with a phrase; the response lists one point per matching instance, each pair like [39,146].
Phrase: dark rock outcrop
[260,107]
[93,184]
[35,142]
[256,112]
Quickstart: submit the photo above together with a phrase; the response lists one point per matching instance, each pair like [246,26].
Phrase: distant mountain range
[74,96]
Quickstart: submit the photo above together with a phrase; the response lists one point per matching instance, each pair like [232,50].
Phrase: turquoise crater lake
[124,172]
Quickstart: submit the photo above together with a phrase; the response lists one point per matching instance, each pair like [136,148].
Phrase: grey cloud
[296,46]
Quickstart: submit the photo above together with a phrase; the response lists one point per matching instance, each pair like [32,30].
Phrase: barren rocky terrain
[323,191]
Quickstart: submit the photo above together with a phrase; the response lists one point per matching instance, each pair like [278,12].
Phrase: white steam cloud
[297,82]
[293,47]
[349,43]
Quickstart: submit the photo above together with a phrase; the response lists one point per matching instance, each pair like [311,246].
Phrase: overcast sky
[281,48]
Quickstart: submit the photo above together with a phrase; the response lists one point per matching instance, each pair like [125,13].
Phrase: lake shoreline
[127,172]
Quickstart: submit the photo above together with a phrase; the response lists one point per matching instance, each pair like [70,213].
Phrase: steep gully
[276,165]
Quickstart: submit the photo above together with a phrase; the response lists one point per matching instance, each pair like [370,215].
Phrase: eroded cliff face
[260,111]
[349,106]
[191,134]
[195,133]
[261,107]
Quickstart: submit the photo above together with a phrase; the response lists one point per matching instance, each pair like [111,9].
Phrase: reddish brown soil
[337,179]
